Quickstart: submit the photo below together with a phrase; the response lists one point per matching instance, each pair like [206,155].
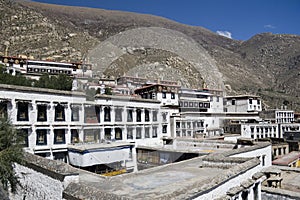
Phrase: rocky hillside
[266,65]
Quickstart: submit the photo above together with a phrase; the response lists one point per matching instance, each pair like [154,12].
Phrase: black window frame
[41,113]
[138,134]
[107,115]
[154,115]
[23,111]
[147,132]
[41,137]
[138,115]
[59,113]
[130,133]
[59,136]
[172,95]
[164,128]
[118,134]
[118,114]
[74,136]
[130,115]
[75,117]
[3,109]
[147,115]
[154,131]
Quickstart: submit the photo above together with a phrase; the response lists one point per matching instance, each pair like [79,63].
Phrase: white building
[278,115]
[52,119]
[35,68]
[267,129]
[166,94]
[243,103]
[200,114]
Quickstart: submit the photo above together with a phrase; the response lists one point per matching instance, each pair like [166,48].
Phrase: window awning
[4,100]
[43,103]
[23,101]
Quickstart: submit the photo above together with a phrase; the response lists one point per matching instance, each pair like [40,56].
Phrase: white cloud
[225,34]
[269,26]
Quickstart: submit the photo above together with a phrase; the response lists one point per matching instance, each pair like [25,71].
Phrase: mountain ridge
[267,64]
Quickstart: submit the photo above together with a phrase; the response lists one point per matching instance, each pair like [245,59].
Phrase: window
[258,102]
[41,137]
[154,115]
[107,133]
[172,95]
[23,134]
[233,102]
[59,136]
[129,133]
[183,124]
[118,134]
[250,101]
[74,136]
[218,98]
[42,113]
[138,115]
[147,132]
[245,195]
[22,114]
[164,115]
[91,135]
[147,117]
[201,105]
[164,128]
[3,109]
[138,133]
[164,95]
[59,113]
[186,104]
[107,114]
[200,124]
[75,113]
[177,124]
[188,124]
[154,132]
[129,116]
[118,112]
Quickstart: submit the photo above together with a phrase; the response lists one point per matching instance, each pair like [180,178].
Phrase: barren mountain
[120,43]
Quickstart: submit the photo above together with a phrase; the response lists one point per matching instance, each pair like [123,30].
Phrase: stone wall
[36,185]
[42,178]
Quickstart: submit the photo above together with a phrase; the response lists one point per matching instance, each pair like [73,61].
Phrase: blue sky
[239,19]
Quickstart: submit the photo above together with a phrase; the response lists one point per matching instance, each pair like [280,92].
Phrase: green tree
[108,91]
[9,79]
[11,152]
[59,82]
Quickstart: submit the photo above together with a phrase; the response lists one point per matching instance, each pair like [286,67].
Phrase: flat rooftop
[171,181]
[85,146]
[287,159]
[291,179]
